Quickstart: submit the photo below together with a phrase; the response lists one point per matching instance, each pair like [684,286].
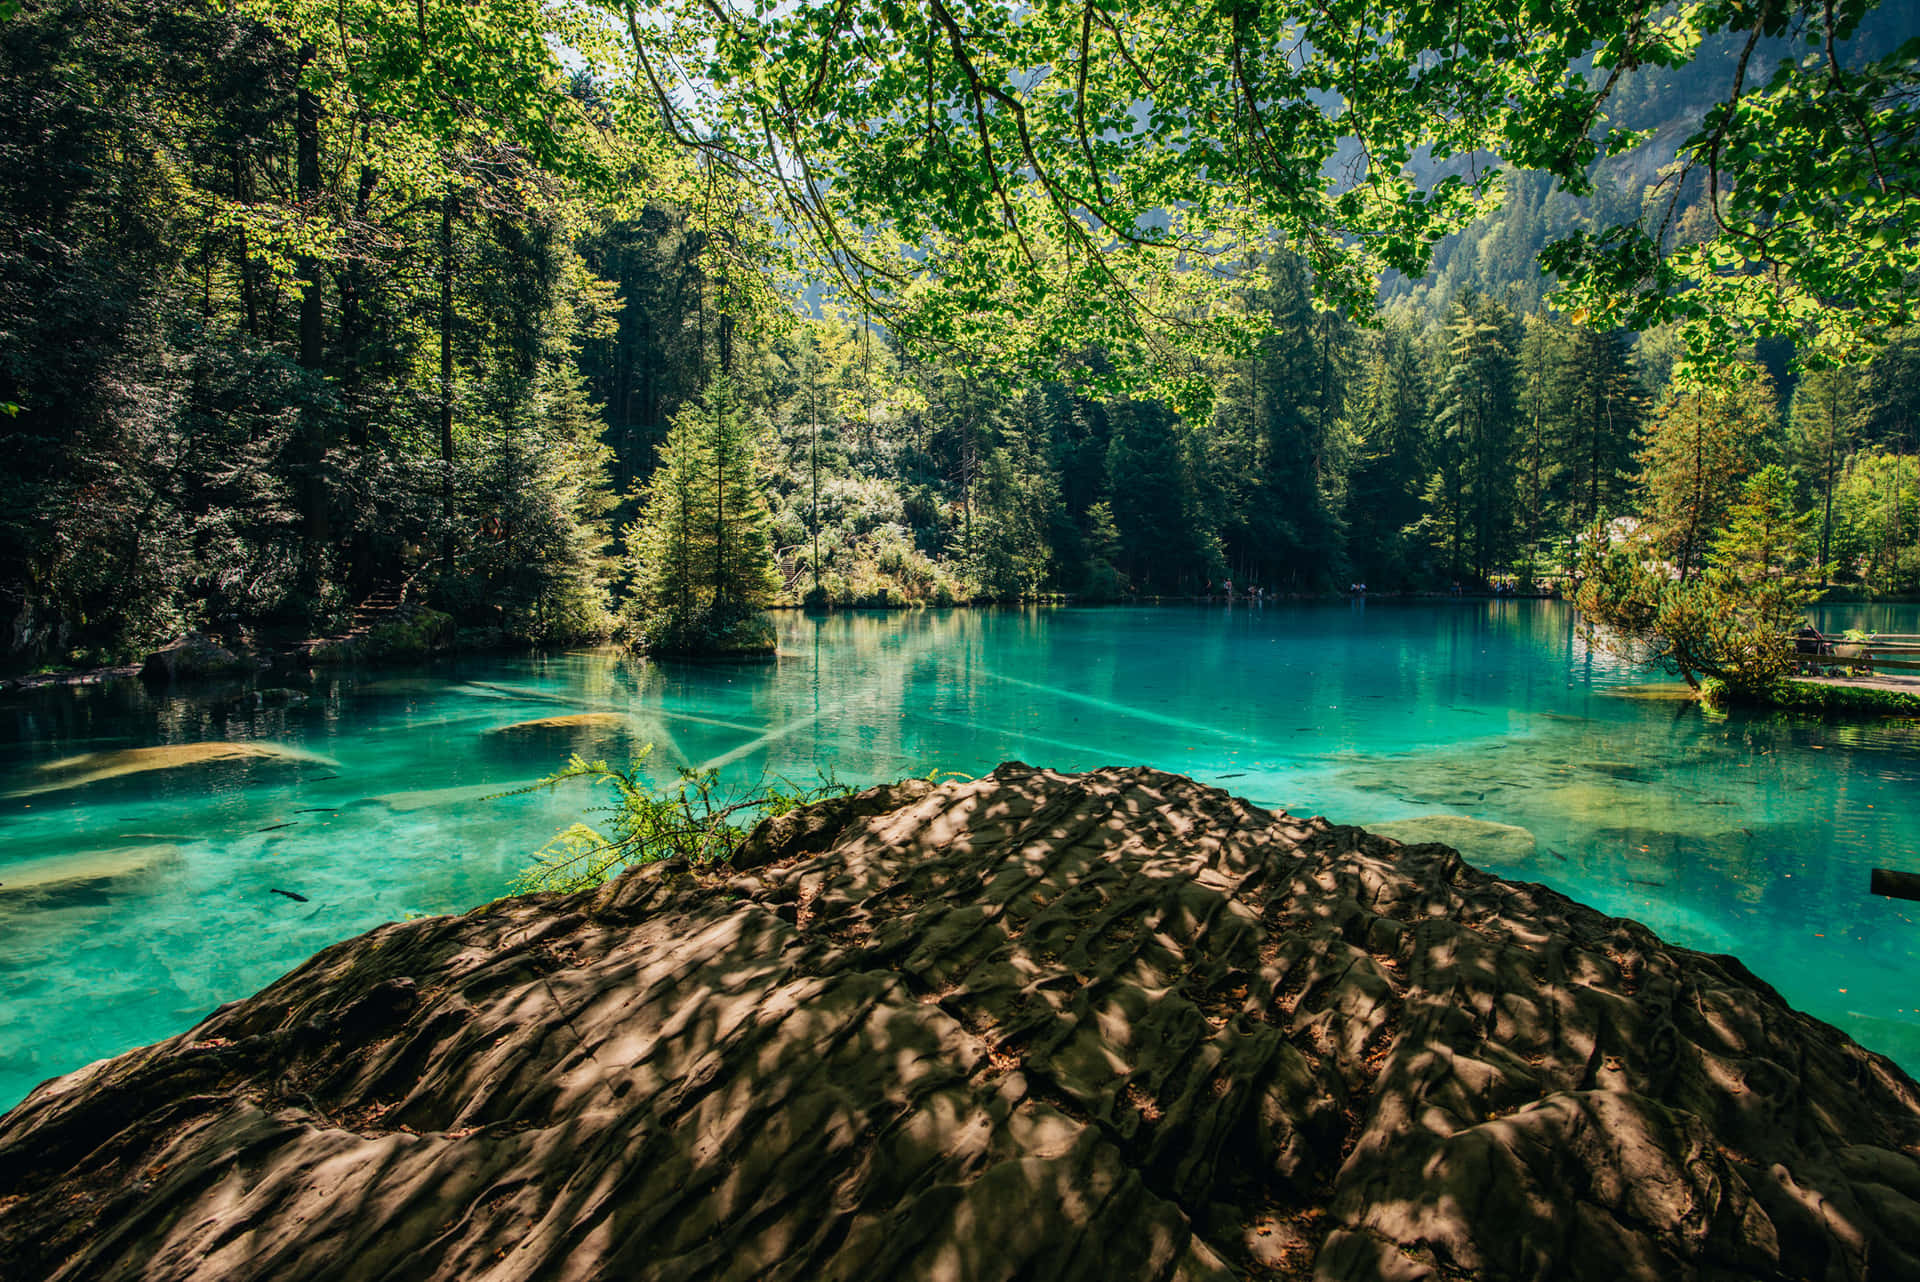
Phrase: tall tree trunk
[352,287]
[1698,505]
[1600,415]
[1826,515]
[243,254]
[813,516]
[307,193]
[685,557]
[719,512]
[447,200]
[1536,445]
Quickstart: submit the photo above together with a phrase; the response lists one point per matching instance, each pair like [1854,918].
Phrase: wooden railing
[1891,652]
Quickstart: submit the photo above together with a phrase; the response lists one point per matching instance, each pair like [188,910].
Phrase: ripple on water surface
[159,856]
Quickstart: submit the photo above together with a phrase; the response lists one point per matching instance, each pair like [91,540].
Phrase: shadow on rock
[1112,1025]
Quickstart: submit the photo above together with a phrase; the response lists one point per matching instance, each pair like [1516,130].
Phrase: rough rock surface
[1106,1026]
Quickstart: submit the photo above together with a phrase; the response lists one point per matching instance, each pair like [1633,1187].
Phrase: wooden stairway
[378,607]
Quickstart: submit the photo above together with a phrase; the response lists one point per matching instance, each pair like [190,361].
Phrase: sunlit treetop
[1008,182]
[1098,166]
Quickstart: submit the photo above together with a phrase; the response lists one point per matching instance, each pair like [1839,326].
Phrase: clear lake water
[137,872]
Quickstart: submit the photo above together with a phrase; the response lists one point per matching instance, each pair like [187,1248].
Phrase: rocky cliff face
[1105,1026]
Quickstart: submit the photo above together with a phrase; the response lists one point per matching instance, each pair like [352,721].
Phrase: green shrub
[705,632]
[421,633]
[1816,698]
[416,633]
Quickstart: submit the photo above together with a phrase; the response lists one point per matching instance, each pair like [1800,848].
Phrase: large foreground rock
[1108,1026]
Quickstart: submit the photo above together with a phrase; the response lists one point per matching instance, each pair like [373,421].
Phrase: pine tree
[1542,364]
[701,553]
[558,574]
[1014,500]
[1166,544]
[1825,420]
[1760,559]
[1385,425]
[1602,405]
[1701,447]
[1875,511]
[1104,581]
[1471,496]
[1297,378]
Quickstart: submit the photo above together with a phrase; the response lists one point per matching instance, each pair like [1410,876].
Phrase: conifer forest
[579,320]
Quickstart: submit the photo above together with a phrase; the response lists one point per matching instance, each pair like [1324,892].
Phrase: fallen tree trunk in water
[1894,884]
[1113,1025]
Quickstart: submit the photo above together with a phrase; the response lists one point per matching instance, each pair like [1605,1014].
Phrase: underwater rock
[1626,771]
[1652,692]
[1674,809]
[93,767]
[1111,1025]
[1554,795]
[408,686]
[1480,840]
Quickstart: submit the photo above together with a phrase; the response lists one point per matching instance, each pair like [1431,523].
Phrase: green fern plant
[695,820]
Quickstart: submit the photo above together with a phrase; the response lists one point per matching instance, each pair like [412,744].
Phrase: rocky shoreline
[1112,1025]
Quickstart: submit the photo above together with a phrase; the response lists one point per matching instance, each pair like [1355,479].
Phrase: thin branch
[975,85]
[1080,101]
[1126,54]
[1840,88]
[826,52]
[1719,139]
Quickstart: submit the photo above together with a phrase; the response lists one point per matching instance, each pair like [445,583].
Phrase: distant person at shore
[1807,645]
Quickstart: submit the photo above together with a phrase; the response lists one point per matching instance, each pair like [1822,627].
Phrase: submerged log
[51,872]
[93,767]
[1113,1025]
[1893,884]
[573,722]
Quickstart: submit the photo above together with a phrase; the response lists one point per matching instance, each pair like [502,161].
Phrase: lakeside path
[1876,681]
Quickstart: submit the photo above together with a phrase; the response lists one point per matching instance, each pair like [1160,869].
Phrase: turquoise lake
[137,887]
